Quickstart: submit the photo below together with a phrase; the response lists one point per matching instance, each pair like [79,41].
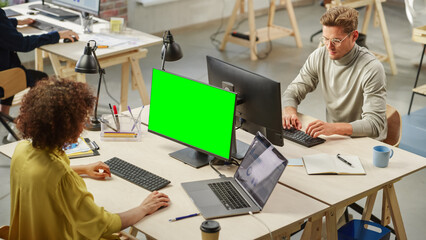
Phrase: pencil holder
[125,129]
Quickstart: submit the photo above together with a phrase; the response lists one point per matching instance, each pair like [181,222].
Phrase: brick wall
[113,8]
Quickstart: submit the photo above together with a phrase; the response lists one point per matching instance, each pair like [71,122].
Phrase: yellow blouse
[50,201]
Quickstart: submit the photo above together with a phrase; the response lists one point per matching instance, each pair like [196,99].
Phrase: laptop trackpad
[205,198]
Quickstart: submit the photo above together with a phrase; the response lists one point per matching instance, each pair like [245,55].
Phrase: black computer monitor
[85,6]
[194,114]
[259,98]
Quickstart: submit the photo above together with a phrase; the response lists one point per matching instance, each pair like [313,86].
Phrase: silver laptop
[248,190]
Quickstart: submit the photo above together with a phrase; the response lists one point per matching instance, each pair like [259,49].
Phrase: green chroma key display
[193,113]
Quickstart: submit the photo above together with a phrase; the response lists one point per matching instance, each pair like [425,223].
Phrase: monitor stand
[239,150]
[192,157]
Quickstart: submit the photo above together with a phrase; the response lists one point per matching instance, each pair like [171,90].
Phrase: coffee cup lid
[210,226]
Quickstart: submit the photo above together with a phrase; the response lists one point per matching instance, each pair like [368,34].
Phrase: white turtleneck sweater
[354,89]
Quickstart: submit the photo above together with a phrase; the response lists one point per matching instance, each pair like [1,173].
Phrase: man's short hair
[341,16]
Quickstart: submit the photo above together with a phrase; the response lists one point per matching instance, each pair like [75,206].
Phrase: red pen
[116,118]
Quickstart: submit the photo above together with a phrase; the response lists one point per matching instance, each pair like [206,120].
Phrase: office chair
[4,232]
[12,81]
[394,126]
[393,138]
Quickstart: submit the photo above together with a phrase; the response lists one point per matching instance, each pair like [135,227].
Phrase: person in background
[12,41]
[49,200]
[353,82]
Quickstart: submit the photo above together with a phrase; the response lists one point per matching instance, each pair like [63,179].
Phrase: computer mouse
[67,40]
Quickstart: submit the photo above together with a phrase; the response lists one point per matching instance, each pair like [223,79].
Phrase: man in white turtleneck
[353,82]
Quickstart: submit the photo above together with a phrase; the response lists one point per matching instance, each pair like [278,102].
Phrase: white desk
[339,191]
[284,212]
[127,54]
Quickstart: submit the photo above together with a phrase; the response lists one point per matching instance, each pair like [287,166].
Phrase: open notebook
[330,164]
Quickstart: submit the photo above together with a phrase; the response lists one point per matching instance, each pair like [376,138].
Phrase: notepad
[329,164]
[81,149]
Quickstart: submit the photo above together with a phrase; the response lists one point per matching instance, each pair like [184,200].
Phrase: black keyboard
[49,27]
[53,11]
[301,137]
[136,175]
[228,195]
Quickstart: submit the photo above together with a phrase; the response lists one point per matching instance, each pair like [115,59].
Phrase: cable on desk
[211,165]
[258,219]
[242,121]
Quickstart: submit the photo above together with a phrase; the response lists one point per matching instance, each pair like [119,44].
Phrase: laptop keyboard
[136,175]
[228,195]
[10,13]
[301,137]
[49,27]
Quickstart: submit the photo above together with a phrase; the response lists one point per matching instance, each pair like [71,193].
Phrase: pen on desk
[343,160]
[103,46]
[113,118]
[116,118]
[137,119]
[183,217]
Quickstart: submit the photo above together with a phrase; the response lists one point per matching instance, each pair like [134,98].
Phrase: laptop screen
[260,170]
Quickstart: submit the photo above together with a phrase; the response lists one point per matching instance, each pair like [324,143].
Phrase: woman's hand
[97,170]
[154,201]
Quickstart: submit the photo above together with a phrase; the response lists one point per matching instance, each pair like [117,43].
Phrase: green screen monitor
[194,114]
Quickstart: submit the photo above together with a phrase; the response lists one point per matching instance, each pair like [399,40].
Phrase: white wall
[182,13]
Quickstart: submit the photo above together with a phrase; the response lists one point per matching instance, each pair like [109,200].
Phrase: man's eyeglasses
[336,42]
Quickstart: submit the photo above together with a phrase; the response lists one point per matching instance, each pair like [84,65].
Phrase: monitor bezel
[191,146]
[75,8]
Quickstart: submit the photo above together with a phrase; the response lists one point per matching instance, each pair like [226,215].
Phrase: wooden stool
[270,32]
[419,35]
[380,17]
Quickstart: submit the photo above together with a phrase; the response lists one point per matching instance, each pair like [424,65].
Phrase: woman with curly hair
[49,200]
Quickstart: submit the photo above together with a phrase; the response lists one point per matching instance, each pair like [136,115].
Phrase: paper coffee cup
[210,230]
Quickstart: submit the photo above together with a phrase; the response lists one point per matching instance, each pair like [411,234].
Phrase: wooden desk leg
[368,208]
[313,228]
[230,24]
[38,59]
[293,21]
[252,30]
[389,192]
[385,34]
[331,224]
[56,64]
[140,84]
[367,18]
[125,67]
[385,211]
[133,231]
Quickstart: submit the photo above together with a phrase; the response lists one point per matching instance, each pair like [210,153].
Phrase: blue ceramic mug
[381,156]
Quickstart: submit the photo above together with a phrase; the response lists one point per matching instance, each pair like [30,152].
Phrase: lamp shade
[171,48]
[87,62]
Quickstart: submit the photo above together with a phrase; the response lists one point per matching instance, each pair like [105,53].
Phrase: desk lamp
[171,50]
[90,64]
